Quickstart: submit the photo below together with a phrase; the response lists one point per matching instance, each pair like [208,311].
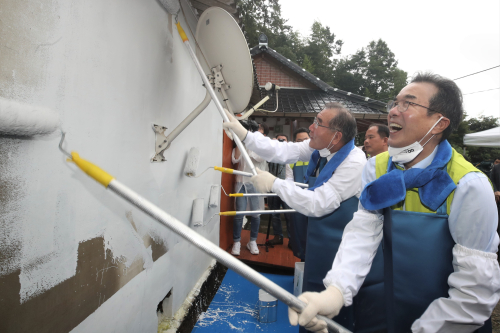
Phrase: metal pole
[235,195]
[192,116]
[209,88]
[215,252]
[252,212]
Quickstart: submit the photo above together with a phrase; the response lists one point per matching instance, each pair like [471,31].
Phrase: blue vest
[324,235]
[418,249]
[298,222]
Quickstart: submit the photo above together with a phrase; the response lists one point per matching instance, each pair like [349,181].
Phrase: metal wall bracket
[161,143]
[217,79]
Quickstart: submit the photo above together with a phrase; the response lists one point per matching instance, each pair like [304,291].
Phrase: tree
[264,16]
[319,49]
[372,71]
[475,155]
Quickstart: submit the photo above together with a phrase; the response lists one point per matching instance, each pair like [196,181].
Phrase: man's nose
[311,127]
[394,112]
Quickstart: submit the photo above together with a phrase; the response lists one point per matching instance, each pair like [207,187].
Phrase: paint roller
[21,119]
[193,237]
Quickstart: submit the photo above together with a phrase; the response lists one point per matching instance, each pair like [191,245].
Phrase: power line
[480,91]
[476,73]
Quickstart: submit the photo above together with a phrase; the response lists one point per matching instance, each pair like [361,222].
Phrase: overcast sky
[450,38]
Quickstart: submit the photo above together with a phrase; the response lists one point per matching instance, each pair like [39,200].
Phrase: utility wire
[476,73]
[480,91]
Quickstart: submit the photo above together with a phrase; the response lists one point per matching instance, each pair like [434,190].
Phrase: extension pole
[252,212]
[209,88]
[248,174]
[253,195]
[197,240]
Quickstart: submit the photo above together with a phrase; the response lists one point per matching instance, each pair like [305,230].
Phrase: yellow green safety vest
[299,163]
[457,168]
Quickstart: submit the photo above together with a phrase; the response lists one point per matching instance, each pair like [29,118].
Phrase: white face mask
[409,153]
[326,151]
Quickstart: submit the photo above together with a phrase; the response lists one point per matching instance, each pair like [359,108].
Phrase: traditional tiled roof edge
[313,101]
[313,79]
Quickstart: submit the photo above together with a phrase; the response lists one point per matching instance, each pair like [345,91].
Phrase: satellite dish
[222,43]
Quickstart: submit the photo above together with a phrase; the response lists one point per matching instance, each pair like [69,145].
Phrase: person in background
[243,185]
[435,214]
[264,129]
[376,139]
[301,134]
[280,171]
[495,180]
[334,179]
[297,231]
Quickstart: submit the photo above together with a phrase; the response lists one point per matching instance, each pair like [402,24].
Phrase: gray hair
[448,100]
[343,122]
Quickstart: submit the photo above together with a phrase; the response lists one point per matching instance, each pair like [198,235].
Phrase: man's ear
[441,126]
[386,139]
[338,138]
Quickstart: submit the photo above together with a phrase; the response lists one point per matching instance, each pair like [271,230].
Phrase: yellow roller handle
[229,213]
[235,194]
[181,32]
[225,170]
[92,170]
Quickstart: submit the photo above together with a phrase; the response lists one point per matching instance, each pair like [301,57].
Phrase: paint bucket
[268,307]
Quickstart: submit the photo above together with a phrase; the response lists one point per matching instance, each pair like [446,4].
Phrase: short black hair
[382,130]
[343,121]
[250,125]
[281,134]
[448,100]
[265,127]
[300,130]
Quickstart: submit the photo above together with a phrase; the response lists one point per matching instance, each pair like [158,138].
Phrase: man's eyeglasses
[316,125]
[403,106]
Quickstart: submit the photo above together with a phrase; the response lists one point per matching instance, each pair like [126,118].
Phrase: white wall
[110,68]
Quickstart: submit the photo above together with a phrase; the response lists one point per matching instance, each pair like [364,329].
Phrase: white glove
[235,125]
[263,181]
[327,303]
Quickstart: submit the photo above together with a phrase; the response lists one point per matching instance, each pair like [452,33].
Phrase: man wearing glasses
[436,217]
[334,178]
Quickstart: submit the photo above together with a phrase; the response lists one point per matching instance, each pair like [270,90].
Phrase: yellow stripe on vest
[457,168]
[299,163]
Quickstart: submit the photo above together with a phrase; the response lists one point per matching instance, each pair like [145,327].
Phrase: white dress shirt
[289,173]
[344,184]
[474,284]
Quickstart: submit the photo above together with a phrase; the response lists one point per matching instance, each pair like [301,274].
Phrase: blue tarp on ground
[235,307]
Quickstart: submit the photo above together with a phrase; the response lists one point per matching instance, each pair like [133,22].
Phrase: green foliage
[371,72]
[307,64]
[264,16]
[475,155]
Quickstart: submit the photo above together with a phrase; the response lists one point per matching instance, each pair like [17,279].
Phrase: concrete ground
[495,319]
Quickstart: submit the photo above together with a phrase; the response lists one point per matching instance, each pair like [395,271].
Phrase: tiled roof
[329,93]
[306,100]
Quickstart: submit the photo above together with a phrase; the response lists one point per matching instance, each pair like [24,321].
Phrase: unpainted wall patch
[62,308]
[158,245]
